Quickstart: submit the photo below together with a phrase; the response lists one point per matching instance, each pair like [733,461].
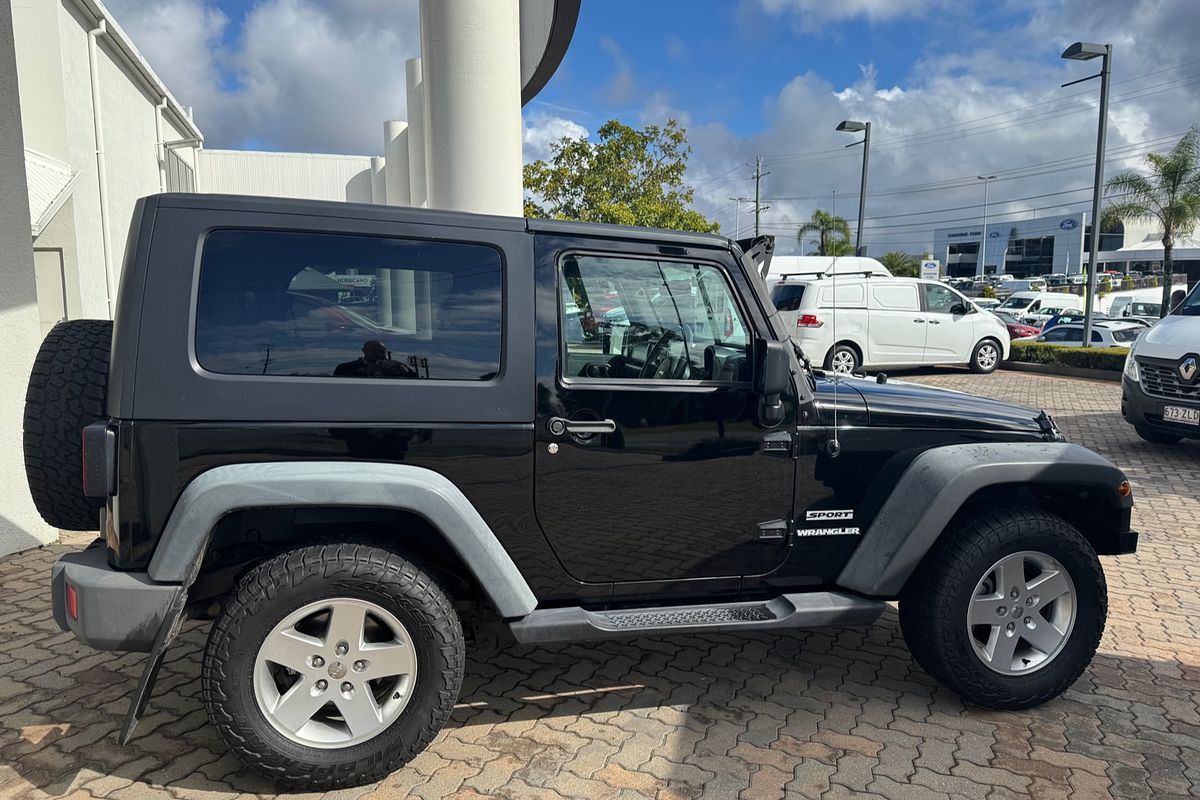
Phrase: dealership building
[1024,248]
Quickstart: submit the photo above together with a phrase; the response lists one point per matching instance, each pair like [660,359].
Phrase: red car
[1017,329]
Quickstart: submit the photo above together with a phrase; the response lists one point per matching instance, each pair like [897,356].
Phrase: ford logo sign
[1068,224]
[994,235]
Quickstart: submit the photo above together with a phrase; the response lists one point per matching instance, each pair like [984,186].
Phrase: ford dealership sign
[1069,224]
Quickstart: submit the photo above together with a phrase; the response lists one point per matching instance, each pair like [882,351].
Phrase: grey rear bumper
[116,610]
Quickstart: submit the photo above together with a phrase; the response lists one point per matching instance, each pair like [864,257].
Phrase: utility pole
[758,206]
[737,215]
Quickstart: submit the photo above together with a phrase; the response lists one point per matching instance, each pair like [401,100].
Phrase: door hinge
[778,443]
[775,529]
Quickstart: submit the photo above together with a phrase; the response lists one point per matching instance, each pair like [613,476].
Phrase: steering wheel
[658,354]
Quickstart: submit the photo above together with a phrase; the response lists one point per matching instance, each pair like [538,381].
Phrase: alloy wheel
[335,673]
[987,357]
[1021,613]
[843,361]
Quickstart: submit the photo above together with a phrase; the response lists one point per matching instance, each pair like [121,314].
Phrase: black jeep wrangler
[359,437]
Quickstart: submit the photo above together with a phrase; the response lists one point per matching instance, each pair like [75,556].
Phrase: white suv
[1161,385]
[876,321]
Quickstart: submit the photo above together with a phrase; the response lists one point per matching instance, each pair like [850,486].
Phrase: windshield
[1126,334]
[1017,303]
[787,297]
[1190,307]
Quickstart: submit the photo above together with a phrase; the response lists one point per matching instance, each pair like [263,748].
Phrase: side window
[629,318]
[939,298]
[787,296]
[322,305]
[896,297]
[846,295]
[1057,334]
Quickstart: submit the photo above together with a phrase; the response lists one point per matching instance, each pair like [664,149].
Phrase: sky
[953,88]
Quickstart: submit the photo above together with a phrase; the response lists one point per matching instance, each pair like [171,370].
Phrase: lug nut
[360,665]
[347,687]
[1002,610]
[341,648]
[1032,600]
[1014,594]
[322,685]
[317,661]
[1029,621]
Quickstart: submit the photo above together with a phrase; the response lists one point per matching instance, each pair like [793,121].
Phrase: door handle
[918,320]
[583,427]
[934,322]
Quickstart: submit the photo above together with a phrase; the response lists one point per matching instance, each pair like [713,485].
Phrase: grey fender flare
[936,485]
[235,487]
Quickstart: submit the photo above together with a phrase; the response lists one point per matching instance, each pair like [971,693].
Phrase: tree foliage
[1168,195]
[832,232]
[901,264]
[627,177]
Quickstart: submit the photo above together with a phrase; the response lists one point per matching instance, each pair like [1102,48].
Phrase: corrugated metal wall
[312,176]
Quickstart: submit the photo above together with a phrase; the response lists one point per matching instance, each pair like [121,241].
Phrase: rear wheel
[985,357]
[843,358]
[333,665]
[1155,437]
[1007,608]
[68,389]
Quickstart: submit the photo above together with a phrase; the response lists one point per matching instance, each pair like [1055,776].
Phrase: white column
[471,65]
[417,151]
[378,182]
[395,153]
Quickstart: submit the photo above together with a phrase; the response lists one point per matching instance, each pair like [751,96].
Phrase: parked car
[986,303]
[889,322]
[1016,328]
[1105,333]
[1026,285]
[1044,313]
[1160,394]
[1073,315]
[1023,303]
[347,522]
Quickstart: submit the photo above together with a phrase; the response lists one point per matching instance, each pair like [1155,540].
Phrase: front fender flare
[937,484]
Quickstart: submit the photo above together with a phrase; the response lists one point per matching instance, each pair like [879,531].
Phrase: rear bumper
[114,610]
[1144,411]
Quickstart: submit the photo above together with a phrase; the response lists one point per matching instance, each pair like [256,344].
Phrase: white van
[812,266]
[1021,303]
[1026,285]
[847,322]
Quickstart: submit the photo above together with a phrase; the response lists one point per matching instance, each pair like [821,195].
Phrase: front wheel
[985,357]
[333,665]
[1007,608]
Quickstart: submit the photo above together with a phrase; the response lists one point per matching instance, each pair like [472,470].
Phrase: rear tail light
[72,603]
[808,321]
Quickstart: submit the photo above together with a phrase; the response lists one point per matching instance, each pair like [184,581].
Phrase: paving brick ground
[832,713]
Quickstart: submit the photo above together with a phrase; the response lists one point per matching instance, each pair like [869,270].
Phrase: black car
[355,483]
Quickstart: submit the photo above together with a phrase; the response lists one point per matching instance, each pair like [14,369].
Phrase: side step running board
[806,610]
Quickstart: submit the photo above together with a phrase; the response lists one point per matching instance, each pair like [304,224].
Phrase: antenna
[836,446]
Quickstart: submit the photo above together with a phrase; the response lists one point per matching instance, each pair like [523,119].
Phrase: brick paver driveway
[829,713]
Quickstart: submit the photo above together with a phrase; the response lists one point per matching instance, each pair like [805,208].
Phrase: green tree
[627,177]
[1168,195]
[901,264]
[832,232]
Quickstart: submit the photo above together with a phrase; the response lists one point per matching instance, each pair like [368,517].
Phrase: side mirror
[772,378]
[959,309]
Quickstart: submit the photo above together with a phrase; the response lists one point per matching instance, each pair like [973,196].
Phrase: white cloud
[813,14]
[301,75]
[622,88]
[541,130]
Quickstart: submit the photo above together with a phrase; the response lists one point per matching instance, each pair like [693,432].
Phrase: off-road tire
[982,369]
[281,585]
[68,389]
[933,604]
[1154,437]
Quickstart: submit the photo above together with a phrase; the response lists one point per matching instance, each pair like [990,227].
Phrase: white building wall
[313,176]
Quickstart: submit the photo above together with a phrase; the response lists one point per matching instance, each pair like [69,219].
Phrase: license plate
[1187,416]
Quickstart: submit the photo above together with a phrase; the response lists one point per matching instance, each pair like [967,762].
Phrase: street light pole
[981,265]
[850,126]
[1086,51]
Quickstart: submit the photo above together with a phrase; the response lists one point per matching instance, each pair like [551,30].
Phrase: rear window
[1126,334]
[787,297]
[322,305]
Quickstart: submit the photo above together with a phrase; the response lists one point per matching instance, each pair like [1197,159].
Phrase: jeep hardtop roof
[457,219]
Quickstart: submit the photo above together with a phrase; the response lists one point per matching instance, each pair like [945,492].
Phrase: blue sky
[954,88]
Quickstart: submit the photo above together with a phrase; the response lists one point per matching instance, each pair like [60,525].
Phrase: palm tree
[1169,195]
[900,264]
[833,233]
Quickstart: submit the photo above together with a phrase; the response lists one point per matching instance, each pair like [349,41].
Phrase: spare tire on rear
[67,391]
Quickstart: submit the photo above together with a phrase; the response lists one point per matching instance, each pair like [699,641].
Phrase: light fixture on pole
[981,265]
[1086,51]
[850,126]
